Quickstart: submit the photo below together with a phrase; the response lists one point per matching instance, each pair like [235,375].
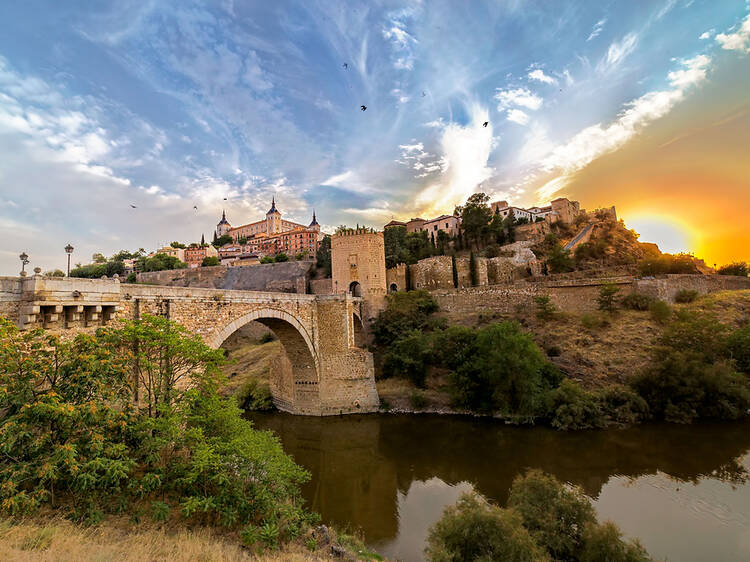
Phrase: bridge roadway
[325,370]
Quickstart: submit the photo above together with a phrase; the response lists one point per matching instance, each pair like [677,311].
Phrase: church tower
[223,227]
[314,224]
[273,219]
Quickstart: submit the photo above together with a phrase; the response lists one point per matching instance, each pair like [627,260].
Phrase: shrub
[268,337]
[604,543]
[668,263]
[699,333]
[255,395]
[622,406]
[572,407]
[637,301]
[593,321]
[555,516]
[686,295]
[266,259]
[476,530]
[545,309]
[281,257]
[503,372]
[454,346]
[553,351]
[737,268]
[81,440]
[660,312]
[209,261]
[132,278]
[418,400]
[738,346]
[559,259]
[682,387]
[408,357]
[405,311]
[607,299]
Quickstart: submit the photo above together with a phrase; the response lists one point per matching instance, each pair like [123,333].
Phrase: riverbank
[54,539]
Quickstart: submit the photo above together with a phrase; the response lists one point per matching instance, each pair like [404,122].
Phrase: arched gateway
[325,371]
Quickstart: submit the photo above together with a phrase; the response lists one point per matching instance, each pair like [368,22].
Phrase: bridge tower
[358,267]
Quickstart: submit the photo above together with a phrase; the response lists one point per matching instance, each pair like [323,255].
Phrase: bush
[559,259]
[255,395]
[698,333]
[502,373]
[593,321]
[209,261]
[637,301]
[82,440]
[281,257]
[476,530]
[682,387]
[668,263]
[555,516]
[454,346]
[268,337]
[405,311]
[686,296]
[607,299]
[737,268]
[418,400]
[266,259]
[660,312]
[572,407]
[408,357]
[622,406]
[545,309]
[553,351]
[132,277]
[604,542]
[738,346]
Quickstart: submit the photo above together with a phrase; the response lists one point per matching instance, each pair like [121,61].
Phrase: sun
[671,234]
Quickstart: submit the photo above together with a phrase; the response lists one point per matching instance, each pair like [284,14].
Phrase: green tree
[504,373]
[607,299]
[281,257]
[474,530]
[98,258]
[475,217]
[556,516]
[176,244]
[210,261]
[604,542]
[559,259]
[323,255]
[223,240]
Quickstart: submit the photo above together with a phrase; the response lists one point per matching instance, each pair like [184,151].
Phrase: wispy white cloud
[518,116]
[597,29]
[618,51]
[707,34]
[539,75]
[597,140]
[737,40]
[402,41]
[518,97]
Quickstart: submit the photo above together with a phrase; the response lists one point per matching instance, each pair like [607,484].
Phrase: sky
[184,109]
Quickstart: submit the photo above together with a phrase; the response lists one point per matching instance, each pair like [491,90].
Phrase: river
[683,491]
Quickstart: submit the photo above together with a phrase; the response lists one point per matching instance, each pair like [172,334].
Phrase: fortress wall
[432,273]
[398,276]
[321,286]
[665,288]
[285,277]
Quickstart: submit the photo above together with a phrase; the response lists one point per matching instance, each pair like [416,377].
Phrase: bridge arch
[296,378]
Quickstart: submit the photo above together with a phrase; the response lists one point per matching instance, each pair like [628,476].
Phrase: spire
[314,221]
[273,207]
[223,218]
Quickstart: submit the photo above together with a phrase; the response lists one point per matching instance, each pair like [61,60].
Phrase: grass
[52,539]
[251,356]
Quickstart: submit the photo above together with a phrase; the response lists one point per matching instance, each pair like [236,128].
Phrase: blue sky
[171,105]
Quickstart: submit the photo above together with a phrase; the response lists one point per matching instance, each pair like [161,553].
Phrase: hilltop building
[561,209]
[194,254]
[269,236]
[450,224]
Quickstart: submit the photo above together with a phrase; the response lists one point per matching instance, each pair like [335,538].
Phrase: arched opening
[355,289]
[292,373]
[393,288]
[360,339]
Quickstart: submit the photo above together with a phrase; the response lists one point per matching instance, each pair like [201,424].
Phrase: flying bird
[363,107]
[345,65]
[423,94]
[485,123]
[225,198]
[134,207]
[195,207]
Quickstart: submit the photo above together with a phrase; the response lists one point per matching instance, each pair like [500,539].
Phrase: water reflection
[392,475]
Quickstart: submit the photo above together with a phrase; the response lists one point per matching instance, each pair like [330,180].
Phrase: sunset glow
[671,234]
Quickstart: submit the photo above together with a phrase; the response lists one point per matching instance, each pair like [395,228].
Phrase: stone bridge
[326,370]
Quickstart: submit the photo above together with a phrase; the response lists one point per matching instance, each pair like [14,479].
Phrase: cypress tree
[473,269]
[455,270]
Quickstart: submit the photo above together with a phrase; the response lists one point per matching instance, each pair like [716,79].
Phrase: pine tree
[203,240]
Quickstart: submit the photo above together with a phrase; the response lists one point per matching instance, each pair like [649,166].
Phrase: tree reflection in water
[363,467]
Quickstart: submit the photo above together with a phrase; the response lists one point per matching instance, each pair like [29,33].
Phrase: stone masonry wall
[432,273]
[286,277]
[397,276]
[321,286]
[665,288]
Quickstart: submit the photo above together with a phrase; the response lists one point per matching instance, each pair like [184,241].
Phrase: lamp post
[69,250]
[24,257]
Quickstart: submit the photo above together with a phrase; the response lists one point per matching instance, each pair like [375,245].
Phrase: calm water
[682,490]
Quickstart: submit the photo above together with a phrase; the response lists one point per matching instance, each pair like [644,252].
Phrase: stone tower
[273,219]
[223,227]
[358,267]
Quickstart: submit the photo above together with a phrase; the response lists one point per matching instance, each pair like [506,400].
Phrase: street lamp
[24,257]
[69,250]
